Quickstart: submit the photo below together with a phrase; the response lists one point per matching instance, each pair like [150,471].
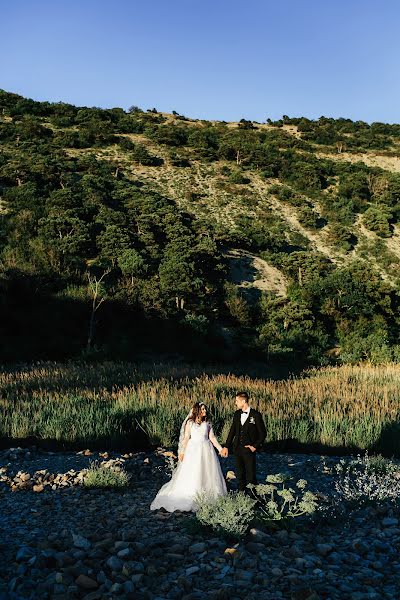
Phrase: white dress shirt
[244,416]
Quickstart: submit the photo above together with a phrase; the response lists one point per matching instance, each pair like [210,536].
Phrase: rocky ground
[61,540]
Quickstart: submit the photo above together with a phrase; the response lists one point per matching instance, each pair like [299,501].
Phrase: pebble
[67,541]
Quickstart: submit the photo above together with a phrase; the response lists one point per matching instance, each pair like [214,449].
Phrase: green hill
[140,231]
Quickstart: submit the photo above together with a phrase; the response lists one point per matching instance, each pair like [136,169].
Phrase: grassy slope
[223,202]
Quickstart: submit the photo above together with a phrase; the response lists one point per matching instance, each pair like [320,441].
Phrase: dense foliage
[94,259]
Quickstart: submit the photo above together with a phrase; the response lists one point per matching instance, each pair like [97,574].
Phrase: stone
[192,570]
[124,553]
[86,582]
[128,587]
[198,548]
[121,545]
[24,554]
[324,549]
[360,546]
[114,563]
[255,547]
[101,577]
[81,542]
[259,536]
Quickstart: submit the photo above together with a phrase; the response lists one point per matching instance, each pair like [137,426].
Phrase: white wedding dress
[199,471]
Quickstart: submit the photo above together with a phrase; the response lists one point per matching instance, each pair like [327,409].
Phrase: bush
[238,178]
[376,219]
[341,237]
[99,476]
[230,514]
[126,144]
[367,480]
[197,323]
[143,157]
[277,502]
[308,217]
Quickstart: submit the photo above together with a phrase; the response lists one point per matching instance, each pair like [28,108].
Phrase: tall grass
[101,404]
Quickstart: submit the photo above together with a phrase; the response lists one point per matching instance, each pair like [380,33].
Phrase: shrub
[197,323]
[126,143]
[143,157]
[341,237]
[277,502]
[308,217]
[367,480]
[230,514]
[238,178]
[376,219]
[99,476]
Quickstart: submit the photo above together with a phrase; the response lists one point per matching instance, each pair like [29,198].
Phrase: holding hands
[224,453]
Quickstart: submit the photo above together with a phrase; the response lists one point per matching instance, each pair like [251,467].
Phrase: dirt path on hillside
[248,270]
[388,163]
[288,214]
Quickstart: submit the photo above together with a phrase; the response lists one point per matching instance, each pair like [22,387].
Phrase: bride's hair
[196,412]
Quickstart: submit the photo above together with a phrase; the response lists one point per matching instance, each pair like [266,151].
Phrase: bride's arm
[214,440]
[185,439]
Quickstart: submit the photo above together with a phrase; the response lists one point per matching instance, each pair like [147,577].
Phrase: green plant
[277,502]
[230,514]
[367,480]
[379,465]
[238,178]
[99,476]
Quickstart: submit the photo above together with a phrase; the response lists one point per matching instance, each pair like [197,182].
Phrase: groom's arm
[261,431]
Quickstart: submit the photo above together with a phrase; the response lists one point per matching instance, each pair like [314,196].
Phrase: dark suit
[252,433]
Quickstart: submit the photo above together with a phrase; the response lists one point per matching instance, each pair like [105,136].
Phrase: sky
[208,59]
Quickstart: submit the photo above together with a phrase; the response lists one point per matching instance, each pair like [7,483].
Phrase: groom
[247,434]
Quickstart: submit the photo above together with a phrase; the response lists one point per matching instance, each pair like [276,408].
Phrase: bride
[198,470]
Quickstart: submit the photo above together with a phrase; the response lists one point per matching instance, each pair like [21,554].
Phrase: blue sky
[207,59]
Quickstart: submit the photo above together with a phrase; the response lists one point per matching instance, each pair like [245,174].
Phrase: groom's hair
[243,395]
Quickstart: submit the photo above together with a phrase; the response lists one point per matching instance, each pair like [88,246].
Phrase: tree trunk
[94,285]
[300,277]
[91,329]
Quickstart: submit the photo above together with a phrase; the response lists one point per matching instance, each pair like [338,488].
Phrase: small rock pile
[43,479]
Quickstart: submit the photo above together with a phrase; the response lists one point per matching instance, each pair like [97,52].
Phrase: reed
[100,405]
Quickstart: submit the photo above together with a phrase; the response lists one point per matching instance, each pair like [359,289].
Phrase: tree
[67,237]
[177,273]
[376,218]
[112,242]
[132,264]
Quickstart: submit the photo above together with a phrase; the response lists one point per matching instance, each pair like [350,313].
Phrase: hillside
[285,234]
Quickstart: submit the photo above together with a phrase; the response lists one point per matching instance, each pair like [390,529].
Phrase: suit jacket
[253,431]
